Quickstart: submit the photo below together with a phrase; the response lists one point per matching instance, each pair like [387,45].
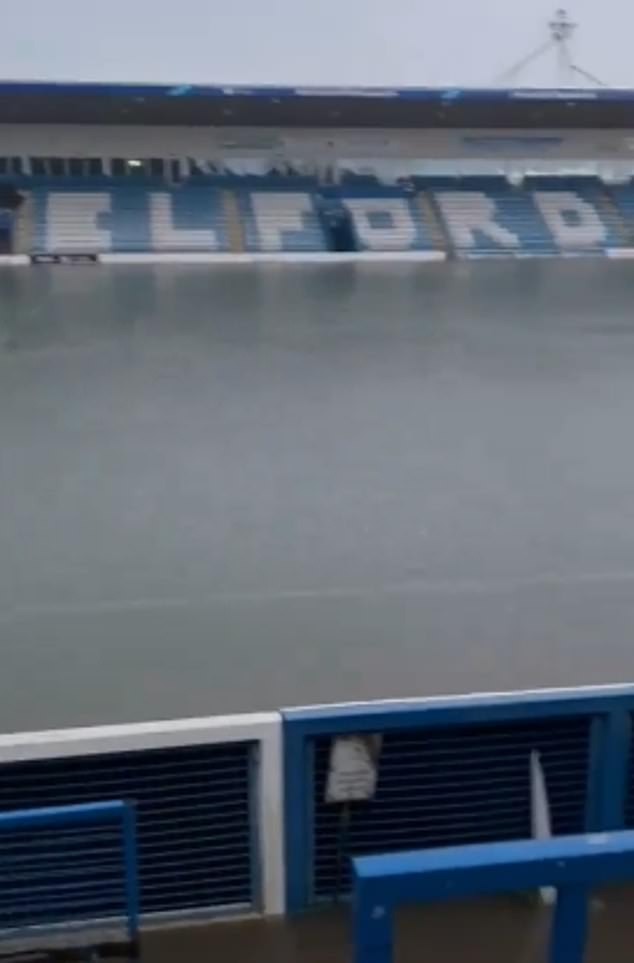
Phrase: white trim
[201,916]
[14,260]
[620,253]
[271,818]
[609,688]
[308,257]
[94,740]
[499,255]
[531,255]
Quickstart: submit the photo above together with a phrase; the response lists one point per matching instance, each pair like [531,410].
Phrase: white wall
[207,142]
[263,728]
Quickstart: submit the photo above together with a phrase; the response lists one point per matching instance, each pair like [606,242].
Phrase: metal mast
[561,29]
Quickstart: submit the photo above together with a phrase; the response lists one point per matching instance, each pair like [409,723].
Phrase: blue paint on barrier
[487,95]
[572,864]
[615,765]
[606,711]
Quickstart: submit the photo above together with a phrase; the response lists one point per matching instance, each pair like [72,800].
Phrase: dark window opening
[194,169]
[136,168]
[156,167]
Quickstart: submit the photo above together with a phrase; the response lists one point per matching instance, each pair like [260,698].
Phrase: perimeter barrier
[207,796]
[258,814]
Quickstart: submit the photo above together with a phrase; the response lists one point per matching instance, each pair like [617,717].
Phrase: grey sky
[320,42]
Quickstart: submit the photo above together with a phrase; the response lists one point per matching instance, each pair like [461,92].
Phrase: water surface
[238,488]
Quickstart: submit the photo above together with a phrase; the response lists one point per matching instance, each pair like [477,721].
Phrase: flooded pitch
[232,489]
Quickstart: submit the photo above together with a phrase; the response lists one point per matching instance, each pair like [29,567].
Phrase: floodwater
[509,929]
[237,488]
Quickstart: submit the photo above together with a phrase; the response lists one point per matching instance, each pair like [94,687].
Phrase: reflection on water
[231,489]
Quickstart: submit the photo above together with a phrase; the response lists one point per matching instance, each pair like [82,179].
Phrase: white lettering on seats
[585,229]
[382,223]
[166,237]
[278,212]
[466,212]
[72,225]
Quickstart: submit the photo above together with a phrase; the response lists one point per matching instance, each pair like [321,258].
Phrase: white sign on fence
[353,770]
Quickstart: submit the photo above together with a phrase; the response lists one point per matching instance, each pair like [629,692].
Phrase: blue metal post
[570,925]
[79,815]
[569,863]
[372,929]
[131,871]
[614,770]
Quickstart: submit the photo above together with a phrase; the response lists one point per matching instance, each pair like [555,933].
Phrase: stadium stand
[270,171]
[576,212]
[542,217]
[384,218]
[488,216]
[89,220]
[467,217]
[280,217]
[10,202]
[621,200]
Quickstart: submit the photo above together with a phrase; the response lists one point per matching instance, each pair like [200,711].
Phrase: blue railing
[67,870]
[453,772]
[572,865]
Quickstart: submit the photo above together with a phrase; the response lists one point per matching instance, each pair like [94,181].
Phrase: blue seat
[280,216]
[489,216]
[384,218]
[128,219]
